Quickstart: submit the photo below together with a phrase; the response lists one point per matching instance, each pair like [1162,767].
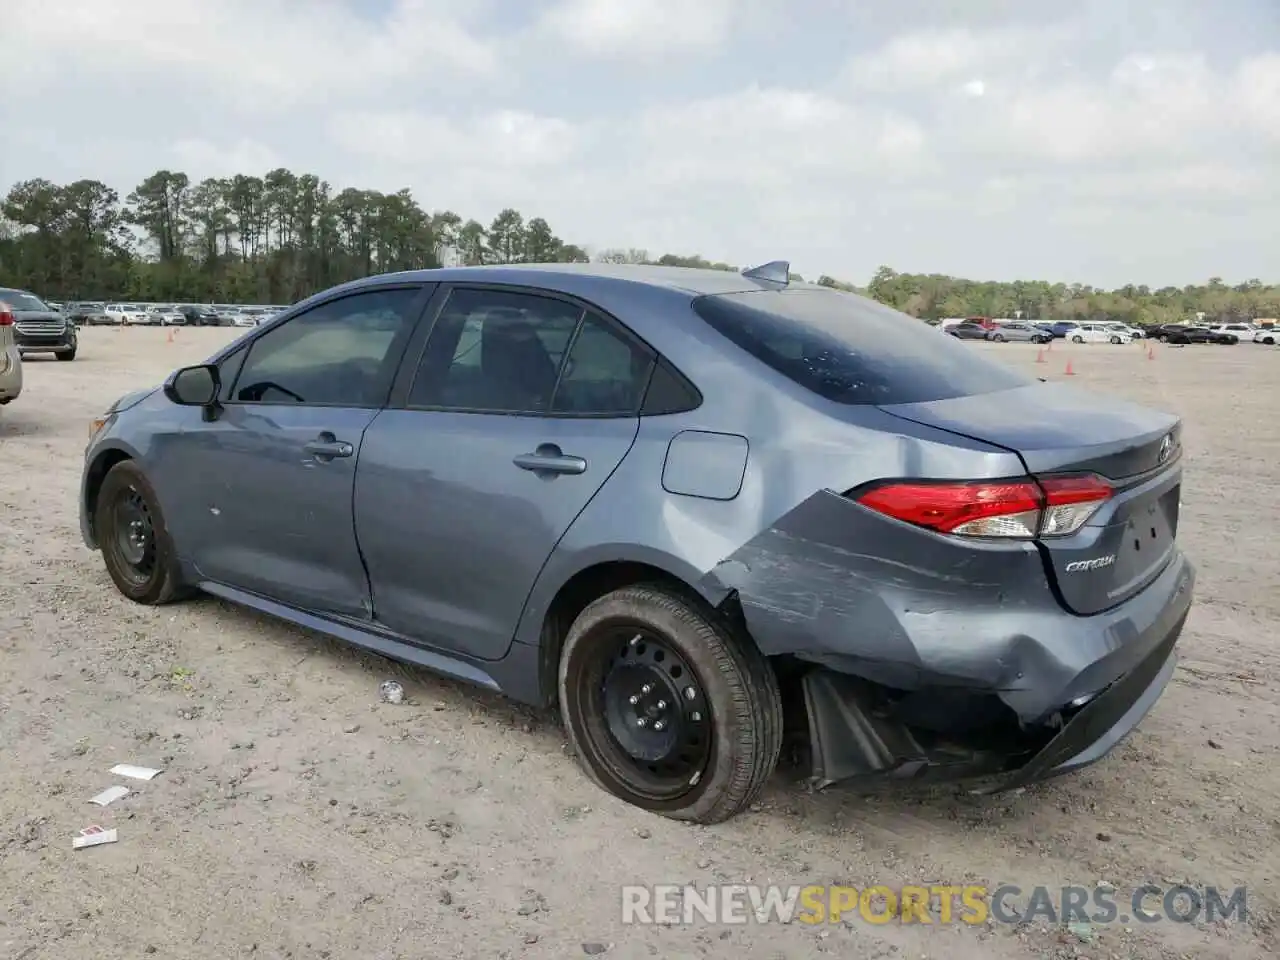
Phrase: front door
[269,482]
[463,494]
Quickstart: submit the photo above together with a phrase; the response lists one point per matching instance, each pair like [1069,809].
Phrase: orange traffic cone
[1040,356]
[1069,372]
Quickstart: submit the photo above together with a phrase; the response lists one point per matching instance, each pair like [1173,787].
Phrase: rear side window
[852,350]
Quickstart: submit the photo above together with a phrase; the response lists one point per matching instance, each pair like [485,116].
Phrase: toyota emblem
[1166,448]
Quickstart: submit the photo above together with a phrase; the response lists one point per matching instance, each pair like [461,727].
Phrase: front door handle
[326,447]
[549,458]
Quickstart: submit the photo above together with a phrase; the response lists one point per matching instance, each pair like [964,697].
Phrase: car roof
[566,276]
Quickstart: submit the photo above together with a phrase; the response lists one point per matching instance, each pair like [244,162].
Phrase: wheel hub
[134,531]
[655,708]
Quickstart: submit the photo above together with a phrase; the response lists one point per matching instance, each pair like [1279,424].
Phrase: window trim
[405,379]
[417,305]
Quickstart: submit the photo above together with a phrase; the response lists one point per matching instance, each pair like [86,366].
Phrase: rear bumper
[848,742]
[1078,718]
[921,656]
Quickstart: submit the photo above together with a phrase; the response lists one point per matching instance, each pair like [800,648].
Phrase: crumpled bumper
[849,741]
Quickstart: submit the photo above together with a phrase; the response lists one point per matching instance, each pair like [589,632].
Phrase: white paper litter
[110,795]
[94,839]
[135,773]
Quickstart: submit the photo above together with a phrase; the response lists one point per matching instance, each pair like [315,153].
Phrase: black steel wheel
[666,708]
[131,533]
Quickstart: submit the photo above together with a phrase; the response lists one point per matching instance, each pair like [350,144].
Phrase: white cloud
[259,54]
[745,136]
[928,58]
[222,160]
[640,28]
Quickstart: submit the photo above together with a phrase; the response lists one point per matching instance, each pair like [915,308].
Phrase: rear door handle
[326,447]
[548,458]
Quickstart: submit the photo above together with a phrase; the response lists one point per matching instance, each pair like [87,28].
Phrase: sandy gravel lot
[298,817]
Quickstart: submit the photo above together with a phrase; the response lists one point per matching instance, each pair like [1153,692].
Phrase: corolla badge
[1166,448]
[1097,563]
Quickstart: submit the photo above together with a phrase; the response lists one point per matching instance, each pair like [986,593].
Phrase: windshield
[20,302]
[852,350]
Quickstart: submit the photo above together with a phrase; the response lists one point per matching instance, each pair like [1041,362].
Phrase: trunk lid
[1056,429]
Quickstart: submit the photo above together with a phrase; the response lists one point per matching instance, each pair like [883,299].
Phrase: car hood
[23,315]
[131,399]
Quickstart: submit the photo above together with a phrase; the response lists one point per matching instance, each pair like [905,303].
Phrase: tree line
[281,237]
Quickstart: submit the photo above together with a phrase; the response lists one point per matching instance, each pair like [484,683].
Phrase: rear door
[522,405]
[1058,430]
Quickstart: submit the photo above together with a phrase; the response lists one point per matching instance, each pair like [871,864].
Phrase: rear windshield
[852,350]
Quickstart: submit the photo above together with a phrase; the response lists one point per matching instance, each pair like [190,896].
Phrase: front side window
[852,350]
[341,353]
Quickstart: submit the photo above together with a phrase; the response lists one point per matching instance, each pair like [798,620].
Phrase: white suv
[1241,331]
[125,314]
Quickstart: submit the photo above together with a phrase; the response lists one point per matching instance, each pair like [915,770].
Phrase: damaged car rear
[980,577]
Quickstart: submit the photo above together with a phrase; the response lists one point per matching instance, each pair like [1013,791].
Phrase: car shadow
[889,807]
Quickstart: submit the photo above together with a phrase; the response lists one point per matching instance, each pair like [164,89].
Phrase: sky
[1095,141]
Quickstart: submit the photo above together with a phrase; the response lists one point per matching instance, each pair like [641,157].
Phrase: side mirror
[196,386]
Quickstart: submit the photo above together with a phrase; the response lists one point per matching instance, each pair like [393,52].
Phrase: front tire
[998,337]
[135,542]
[67,354]
[666,708]
[1115,339]
[1077,339]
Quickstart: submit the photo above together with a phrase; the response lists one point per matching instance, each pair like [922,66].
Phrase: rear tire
[1115,339]
[134,540]
[998,337]
[700,733]
[1077,339]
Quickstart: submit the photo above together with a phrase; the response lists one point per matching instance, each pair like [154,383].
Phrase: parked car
[166,315]
[1267,335]
[556,476]
[37,329]
[84,313]
[1019,331]
[969,331]
[1135,333]
[1062,328]
[10,358]
[1240,331]
[1097,333]
[1181,333]
[125,314]
[197,315]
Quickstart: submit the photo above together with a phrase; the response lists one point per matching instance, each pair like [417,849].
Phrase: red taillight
[1019,509]
[6,315]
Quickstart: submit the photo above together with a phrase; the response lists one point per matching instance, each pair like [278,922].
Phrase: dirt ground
[298,817]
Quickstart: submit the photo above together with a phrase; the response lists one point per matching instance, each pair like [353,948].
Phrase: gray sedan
[1019,333]
[677,503]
